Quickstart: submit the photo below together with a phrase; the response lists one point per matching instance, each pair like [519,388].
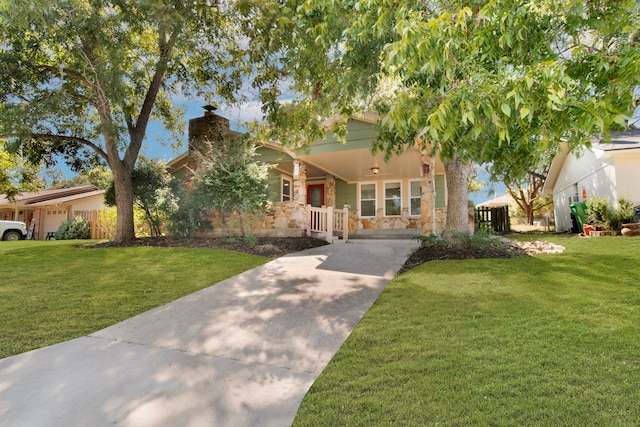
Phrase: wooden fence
[496,219]
[97,229]
[328,220]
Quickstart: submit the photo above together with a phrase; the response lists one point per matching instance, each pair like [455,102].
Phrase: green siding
[269,155]
[359,135]
[180,174]
[346,193]
[440,192]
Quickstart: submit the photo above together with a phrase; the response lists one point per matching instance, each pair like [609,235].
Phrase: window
[286,189]
[392,199]
[367,200]
[415,198]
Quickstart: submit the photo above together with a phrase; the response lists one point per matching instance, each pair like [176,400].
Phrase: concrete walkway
[241,353]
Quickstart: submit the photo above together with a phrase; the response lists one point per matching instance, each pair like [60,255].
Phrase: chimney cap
[210,108]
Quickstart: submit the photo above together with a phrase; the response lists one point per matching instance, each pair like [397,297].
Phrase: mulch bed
[275,247]
[271,247]
[442,251]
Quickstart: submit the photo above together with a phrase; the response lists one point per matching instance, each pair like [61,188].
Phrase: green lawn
[550,340]
[51,291]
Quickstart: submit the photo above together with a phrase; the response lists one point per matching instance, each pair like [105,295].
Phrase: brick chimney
[209,128]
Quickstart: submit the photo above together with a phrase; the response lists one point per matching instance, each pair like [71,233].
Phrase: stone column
[330,191]
[428,194]
[299,183]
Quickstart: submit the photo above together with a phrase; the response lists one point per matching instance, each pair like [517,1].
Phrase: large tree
[480,81]
[81,79]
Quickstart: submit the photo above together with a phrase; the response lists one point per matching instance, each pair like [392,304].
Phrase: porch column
[330,191]
[299,183]
[428,194]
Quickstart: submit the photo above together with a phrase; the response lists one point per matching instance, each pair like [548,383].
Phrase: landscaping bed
[270,247]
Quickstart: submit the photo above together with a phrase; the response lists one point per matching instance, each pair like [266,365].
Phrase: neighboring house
[44,211]
[609,169]
[406,193]
[498,202]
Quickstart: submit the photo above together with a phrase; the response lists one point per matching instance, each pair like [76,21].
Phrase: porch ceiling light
[375,170]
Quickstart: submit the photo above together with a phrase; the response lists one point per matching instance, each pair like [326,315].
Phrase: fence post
[345,223]
[330,224]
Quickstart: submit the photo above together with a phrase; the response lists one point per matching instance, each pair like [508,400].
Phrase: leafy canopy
[488,81]
[16,175]
[82,79]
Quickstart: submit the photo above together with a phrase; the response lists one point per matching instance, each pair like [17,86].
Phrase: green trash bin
[580,212]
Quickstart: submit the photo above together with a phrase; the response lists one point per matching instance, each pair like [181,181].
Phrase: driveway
[241,353]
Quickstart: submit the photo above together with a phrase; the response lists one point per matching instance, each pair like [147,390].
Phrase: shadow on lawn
[243,352]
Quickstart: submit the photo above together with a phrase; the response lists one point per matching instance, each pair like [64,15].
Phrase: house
[44,211]
[497,202]
[608,169]
[406,194]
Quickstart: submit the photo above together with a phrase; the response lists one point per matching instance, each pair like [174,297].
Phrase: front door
[315,195]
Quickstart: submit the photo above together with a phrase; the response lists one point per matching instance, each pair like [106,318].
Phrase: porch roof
[352,161]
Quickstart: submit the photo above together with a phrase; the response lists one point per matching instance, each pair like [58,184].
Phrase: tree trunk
[457,174]
[124,203]
[528,211]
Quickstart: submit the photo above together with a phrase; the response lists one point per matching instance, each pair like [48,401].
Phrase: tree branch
[63,138]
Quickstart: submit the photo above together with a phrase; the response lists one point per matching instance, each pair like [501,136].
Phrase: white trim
[419,197]
[284,178]
[384,197]
[375,198]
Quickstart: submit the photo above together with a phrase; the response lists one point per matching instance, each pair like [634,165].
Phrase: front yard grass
[51,291]
[546,340]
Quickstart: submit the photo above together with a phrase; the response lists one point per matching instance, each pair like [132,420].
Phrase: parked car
[13,230]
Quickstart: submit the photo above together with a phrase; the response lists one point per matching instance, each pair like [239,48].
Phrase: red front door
[315,195]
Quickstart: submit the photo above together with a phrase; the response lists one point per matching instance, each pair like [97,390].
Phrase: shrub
[622,215]
[73,228]
[602,214]
[599,210]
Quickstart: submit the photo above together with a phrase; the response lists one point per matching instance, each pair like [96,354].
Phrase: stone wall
[380,222]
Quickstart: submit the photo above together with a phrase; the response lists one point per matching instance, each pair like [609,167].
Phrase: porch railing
[328,220]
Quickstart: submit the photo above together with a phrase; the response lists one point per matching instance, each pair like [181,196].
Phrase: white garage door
[52,219]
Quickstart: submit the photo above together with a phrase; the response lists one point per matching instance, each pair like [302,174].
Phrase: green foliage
[230,184]
[16,175]
[487,81]
[250,239]
[73,228]
[482,240]
[99,176]
[152,193]
[191,216]
[80,80]
[602,214]
[427,241]
[599,209]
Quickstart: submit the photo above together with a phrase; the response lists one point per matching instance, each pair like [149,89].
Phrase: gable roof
[620,143]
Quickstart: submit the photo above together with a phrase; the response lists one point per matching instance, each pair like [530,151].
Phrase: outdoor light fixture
[375,170]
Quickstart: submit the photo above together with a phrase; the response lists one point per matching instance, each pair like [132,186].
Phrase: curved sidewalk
[241,353]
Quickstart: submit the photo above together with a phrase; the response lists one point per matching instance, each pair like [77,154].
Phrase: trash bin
[579,210]
[636,214]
